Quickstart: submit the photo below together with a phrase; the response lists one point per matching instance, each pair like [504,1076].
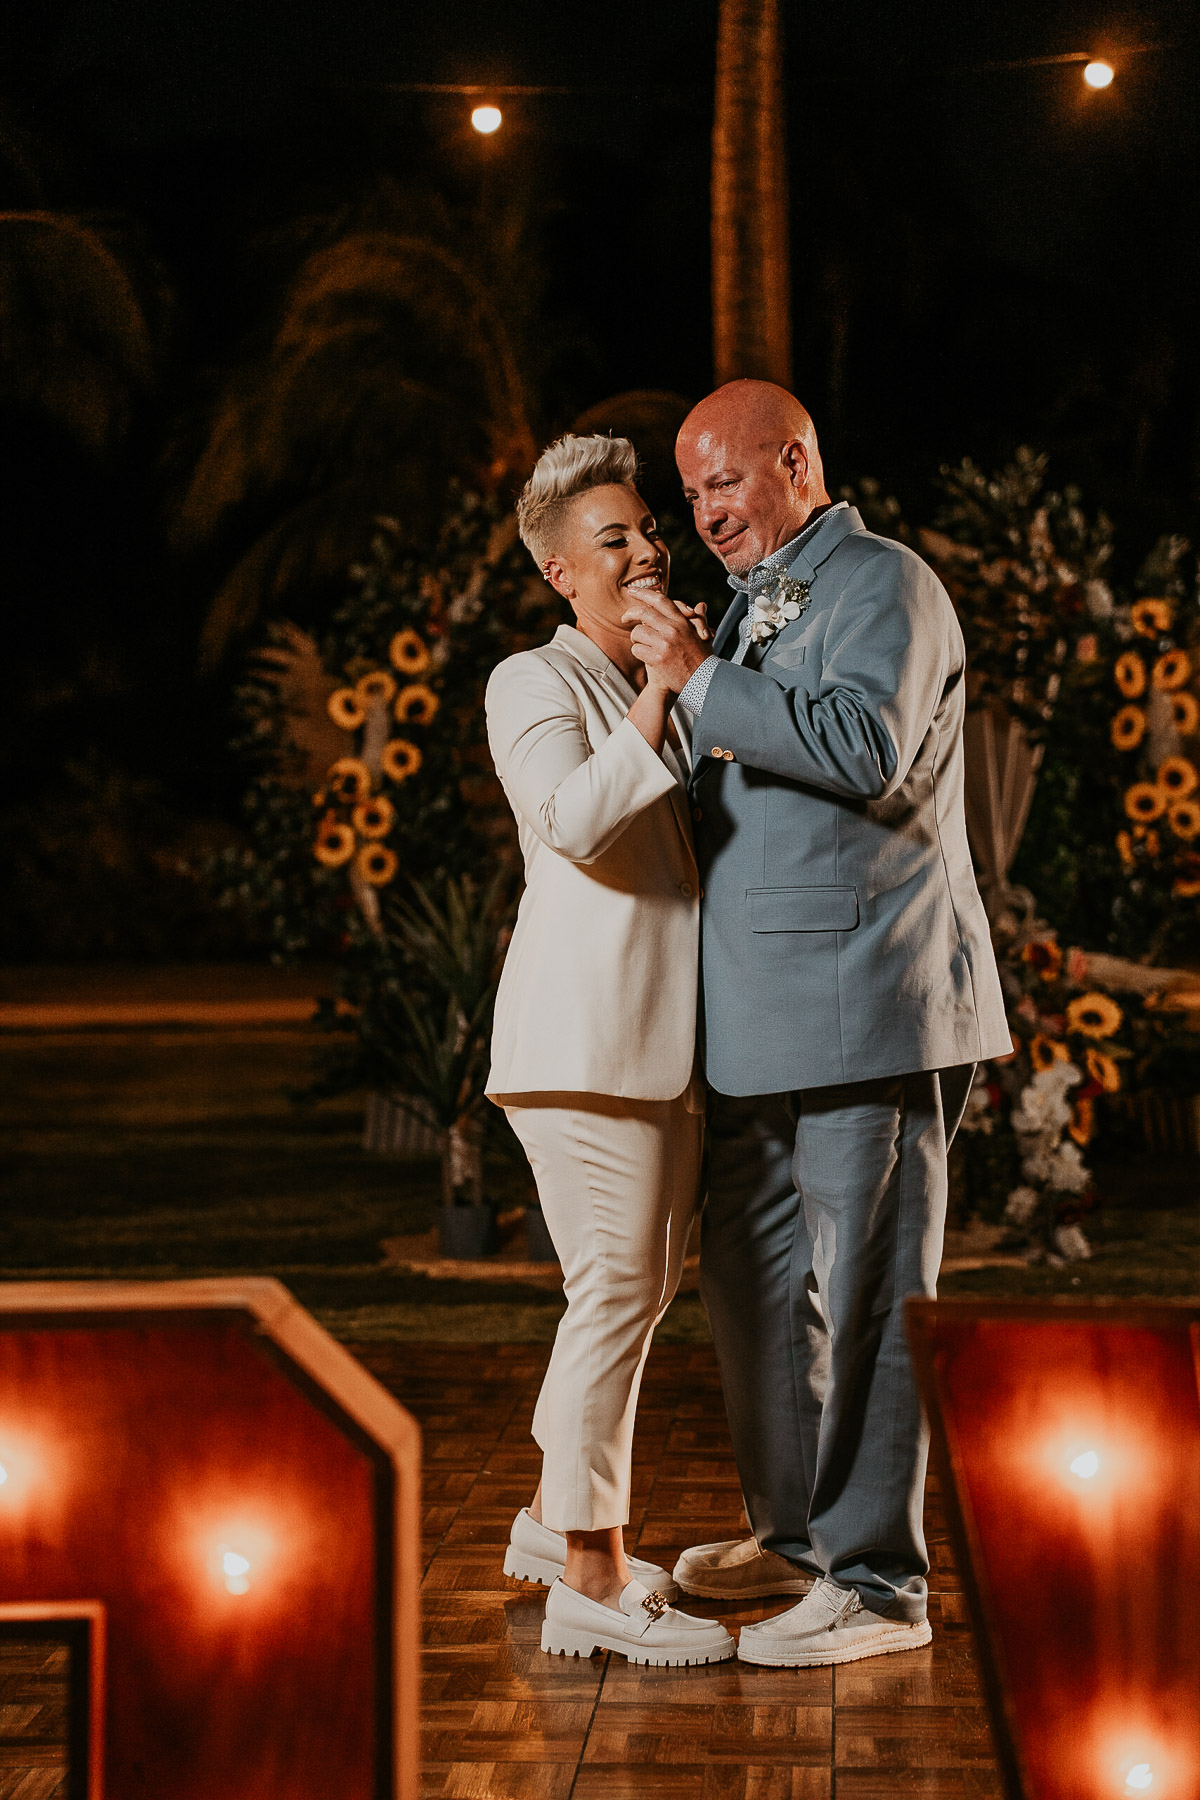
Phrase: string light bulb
[1098,74]
[1139,1778]
[1085,1465]
[487,119]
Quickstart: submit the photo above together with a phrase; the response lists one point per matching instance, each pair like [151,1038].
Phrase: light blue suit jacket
[842,933]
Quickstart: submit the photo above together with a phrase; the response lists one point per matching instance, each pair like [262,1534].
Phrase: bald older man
[849,988]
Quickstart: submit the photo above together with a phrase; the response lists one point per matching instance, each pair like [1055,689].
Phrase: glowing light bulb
[487,119]
[3,1474]
[1139,1777]
[1086,1465]
[1098,74]
[236,1569]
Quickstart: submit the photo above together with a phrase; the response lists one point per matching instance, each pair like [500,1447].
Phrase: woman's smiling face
[610,552]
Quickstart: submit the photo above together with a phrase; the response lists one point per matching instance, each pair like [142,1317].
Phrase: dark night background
[981,258]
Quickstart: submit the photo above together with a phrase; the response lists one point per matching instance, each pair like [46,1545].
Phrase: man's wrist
[695,688]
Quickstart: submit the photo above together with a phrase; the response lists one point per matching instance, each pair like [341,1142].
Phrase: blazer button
[728,755]
[685,888]
[717,750]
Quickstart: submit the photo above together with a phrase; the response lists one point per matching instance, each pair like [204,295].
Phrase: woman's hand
[669,639]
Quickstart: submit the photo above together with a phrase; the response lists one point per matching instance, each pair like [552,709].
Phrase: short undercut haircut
[570,467]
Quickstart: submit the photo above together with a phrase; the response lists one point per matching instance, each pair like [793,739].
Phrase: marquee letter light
[1067,1439]
[203,1468]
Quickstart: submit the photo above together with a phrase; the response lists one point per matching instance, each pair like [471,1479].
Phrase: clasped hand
[669,638]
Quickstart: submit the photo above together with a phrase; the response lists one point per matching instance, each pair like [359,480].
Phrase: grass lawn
[156,1153]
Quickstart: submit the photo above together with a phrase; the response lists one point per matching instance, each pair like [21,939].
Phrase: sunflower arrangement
[1072,1043]
[1156,733]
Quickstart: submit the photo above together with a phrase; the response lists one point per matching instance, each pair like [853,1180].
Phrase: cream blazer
[598,993]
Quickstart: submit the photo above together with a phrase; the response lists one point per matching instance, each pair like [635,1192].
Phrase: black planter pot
[466,1233]
[537,1238]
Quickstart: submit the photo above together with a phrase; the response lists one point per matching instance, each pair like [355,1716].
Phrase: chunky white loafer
[535,1553]
[646,1630]
[830,1625]
[738,1569]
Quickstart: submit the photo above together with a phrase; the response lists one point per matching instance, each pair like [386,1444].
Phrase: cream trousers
[618,1183]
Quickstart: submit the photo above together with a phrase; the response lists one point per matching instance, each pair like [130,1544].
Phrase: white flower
[979,1115]
[1071,1244]
[781,600]
[1097,596]
[1067,1171]
[1022,1204]
[1036,1166]
[1058,1077]
[1039,1111]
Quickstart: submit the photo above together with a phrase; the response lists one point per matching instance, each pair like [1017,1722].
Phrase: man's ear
[556,575]
[794,457]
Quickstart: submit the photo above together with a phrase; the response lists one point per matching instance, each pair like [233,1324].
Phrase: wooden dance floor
[504,1722]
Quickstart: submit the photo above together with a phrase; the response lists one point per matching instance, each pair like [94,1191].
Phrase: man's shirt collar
[782,559]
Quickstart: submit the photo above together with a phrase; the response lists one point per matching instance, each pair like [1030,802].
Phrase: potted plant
[430,1029]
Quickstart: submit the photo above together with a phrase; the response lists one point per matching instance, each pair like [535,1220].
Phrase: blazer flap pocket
[803,909]
[788,656]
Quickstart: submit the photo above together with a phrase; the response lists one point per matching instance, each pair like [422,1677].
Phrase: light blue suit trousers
[826,1209]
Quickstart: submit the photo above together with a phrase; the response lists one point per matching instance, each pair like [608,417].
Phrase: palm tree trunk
[751,288]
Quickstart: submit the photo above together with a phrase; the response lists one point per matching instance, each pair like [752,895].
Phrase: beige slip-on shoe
[645,1630]
[535,1553]
[830,1625]
[738,1570]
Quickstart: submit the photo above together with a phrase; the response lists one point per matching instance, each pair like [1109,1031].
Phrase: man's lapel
[824,541]
[727,629]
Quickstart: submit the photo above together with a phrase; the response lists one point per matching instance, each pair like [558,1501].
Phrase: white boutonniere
[783,599]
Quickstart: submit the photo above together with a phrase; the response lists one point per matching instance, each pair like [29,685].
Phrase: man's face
[747,499]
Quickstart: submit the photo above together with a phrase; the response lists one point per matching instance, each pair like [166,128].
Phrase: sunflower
[1128,728]
[1171,670]
[1083,1120]
[416,704]
[1151,617]
[1044,955]
[1103,1069]
[400,759]
[1045,1051]
[335,843]
[1125,850]
[1185,713]
[1177,777]
[408,653]
[376,864]
[1129,673]
[350,778]
[1184,819]
[1186,887]
[1151,843]
[1144,801]
[375,688]
[374,818]
[343,708]
[1094,1016]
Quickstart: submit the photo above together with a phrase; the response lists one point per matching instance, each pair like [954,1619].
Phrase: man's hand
[670,639]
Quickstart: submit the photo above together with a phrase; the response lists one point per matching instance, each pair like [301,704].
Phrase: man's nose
[710,513]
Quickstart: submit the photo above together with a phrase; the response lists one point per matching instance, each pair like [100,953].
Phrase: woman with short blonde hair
[593,1051]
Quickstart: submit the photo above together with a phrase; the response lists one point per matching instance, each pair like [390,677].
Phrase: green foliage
[426,1026]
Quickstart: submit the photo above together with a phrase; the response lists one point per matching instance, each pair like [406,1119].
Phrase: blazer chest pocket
[803,908]
[788,656]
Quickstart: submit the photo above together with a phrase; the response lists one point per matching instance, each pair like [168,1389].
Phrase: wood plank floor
[33,1720]
[504,1722]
